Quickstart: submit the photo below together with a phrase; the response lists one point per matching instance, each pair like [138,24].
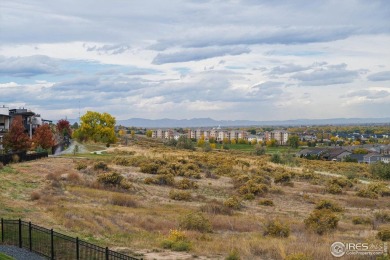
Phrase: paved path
[19,253]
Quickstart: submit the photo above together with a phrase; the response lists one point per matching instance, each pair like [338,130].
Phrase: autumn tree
[64,128]
[43,137]
[98,127]
[16,139]
[149,133]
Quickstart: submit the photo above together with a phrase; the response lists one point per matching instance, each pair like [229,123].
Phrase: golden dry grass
[73,202]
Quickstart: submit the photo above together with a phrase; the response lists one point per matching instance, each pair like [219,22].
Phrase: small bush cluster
[177,241]
[161,179]
[374,190]
[180,195]
[361,220]
[233,203]
[276,228]
[336,185]
[327,204]
[266,202]
[284,179]
[186,184]
[382,216]
[120,160]
[195,221]
[233,255]
[100,166]
[384,233]
[81,166]
[35,195]
[321,221]
[113,179]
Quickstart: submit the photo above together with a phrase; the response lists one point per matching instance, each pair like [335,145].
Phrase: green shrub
[233,203]
[195,221]
[366,193]
[150,168]
[275,228]
[180,195]
[380,170]
[379,188]
[102,166]
[283,178]
[110,178]
[176,241]
[326,204]
[341,181]
[298,256]
[321,221]
[251,187]
[266,202]
[384,233]
[161,179]
[276,158]
[233,255]
[361,220]
[333,189]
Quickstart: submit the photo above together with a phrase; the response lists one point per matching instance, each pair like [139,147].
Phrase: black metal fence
[53,245]
[21,157]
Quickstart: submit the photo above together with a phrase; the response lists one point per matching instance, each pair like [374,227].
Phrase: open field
[221,203]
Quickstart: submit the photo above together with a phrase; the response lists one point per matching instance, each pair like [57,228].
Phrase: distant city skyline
[226,60]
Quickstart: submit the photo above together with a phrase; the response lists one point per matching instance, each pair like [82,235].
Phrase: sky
[223,59]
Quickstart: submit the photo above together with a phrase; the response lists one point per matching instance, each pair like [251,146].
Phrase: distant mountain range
[208,122]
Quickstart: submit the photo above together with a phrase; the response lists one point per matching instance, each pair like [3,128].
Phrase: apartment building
[280,136]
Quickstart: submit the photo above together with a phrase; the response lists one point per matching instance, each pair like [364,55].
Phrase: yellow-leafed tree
[98,127]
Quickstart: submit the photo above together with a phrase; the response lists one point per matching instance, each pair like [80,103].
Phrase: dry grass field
[162,203]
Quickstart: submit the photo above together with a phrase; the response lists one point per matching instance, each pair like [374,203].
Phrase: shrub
[100,166]
[216,207]
[276,158]
[177,241]
[119,160]
[342,182]
[35,195]
[186,184]
[233,203]
[361,220]
[326,204]
[161,179]
[81,166]
[283,178]
[180,195]
[298,256]
[110,178]
[321,221]
[266,202]
[379,188]
[366,193]
[380,170]
[233,255]
[275,228]
[276,190]
[382,216]
[251,187]
[150,168]
[384,233]
[195,221]
[333,189]
[123,200]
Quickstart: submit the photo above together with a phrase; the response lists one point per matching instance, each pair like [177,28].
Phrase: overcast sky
[224,59]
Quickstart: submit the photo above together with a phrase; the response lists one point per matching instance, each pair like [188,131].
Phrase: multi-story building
[280,136]
[5,120]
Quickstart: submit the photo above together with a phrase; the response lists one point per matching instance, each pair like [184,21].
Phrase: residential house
[371,158]
[336,154]
[385,158]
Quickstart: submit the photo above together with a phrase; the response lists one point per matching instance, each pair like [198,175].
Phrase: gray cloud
[28,66]
[368,94]
[380,76]
[198,54]
[327,75]
[113,49]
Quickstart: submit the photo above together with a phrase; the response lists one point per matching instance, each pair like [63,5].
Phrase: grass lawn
[5,257]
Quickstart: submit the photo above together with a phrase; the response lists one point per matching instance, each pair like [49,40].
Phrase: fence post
[20,233]
[52,243]
[77,249]
[2,230]
[30,235]
[107,253]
